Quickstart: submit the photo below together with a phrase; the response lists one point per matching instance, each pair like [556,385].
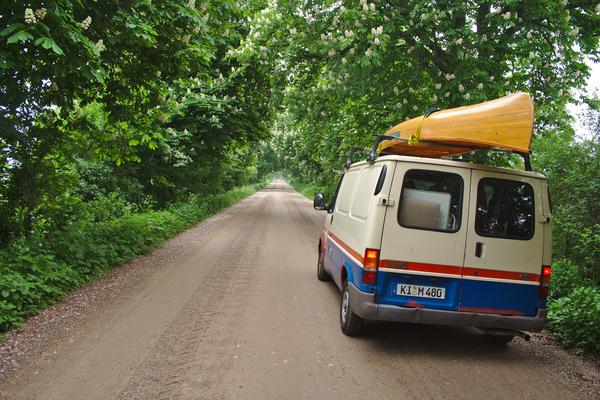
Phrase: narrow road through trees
[241,315]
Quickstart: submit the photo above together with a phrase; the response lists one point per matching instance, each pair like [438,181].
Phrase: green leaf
[20,36]
[9,29]
[57,49]
[134,142]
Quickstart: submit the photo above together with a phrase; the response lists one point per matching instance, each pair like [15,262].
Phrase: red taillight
[371,262]
[545,281]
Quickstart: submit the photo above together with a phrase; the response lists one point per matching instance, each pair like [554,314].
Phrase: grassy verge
[37,271]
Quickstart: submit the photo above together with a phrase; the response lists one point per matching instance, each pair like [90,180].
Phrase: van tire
[351,324]
[499,340]
[322,275]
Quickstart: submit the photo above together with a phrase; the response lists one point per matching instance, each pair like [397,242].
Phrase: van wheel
[500,340]
[351,324]
[322,275]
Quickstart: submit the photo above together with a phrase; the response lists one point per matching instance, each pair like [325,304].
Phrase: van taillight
[545,281]
[371,262]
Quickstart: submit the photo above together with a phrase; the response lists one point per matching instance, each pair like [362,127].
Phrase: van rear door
[424,234]
[504,249]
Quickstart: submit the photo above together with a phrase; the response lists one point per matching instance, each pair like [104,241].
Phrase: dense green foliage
[121,122]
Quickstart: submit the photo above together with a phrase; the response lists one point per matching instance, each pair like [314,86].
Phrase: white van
[435,241]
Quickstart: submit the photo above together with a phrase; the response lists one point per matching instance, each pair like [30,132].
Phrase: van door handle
[478,249]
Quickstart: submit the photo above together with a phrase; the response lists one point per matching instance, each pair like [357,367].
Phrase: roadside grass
[39,270]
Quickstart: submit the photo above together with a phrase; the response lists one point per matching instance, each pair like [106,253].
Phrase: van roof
[452,163]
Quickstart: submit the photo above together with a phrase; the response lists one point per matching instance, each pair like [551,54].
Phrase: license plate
[430,292]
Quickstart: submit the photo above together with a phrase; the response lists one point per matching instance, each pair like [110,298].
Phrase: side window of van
[335,195]
[505,209]
[431,200]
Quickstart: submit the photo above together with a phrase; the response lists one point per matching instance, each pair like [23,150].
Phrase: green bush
[575,319]
[39,270]
[566,276]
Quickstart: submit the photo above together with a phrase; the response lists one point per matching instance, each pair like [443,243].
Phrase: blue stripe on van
[499,297]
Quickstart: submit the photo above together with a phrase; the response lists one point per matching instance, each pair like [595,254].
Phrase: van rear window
[505,209]
[431,200]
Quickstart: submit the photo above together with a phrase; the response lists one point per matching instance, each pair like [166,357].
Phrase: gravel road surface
[232,309]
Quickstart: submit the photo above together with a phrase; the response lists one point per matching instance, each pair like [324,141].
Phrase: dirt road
[241,315]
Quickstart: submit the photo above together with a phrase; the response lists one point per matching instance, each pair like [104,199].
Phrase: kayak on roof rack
[505,123]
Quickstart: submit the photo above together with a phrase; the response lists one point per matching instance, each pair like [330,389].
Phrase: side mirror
[319,202]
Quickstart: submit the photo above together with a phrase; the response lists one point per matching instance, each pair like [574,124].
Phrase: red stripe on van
[492,273]
[352,252]
[490,311]
[459,271]
[420,267]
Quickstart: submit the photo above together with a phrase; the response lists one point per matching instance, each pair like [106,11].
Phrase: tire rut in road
[188,361]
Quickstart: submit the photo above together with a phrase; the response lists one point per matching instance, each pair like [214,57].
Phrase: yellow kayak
[505,123]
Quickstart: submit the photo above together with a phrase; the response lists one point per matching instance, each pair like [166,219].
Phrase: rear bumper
[363,304]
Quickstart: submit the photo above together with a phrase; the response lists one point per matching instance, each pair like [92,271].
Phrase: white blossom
[405,101]
[357,24]
[529,35]
[459,41]
[191,3]
[506,15]
[483,38]
[434,98]
[385,18]
[363,2]
[376,41]
[598,8]
[438,86]
[293,31]
[415,108]
[564,2]
[372,7]
[365,8]
[380,30]
[348,34]
[346,76]
[344,61]
[342,8]
[323,37]
[100,46]
[396,90]
[480,86]
[411,90]
[323,113]
[491,78]
[467,96]
[30,16]
[461,88]
[447,94]
[41,13]
[352,51]
[331,53]
[368,52]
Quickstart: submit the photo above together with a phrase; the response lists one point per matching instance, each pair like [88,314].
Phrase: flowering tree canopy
[346,69]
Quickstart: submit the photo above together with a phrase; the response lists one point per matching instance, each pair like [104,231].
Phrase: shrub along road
[232,309]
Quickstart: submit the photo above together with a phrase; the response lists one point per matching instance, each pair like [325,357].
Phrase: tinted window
[431,200]
[505,209]
[381,180]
